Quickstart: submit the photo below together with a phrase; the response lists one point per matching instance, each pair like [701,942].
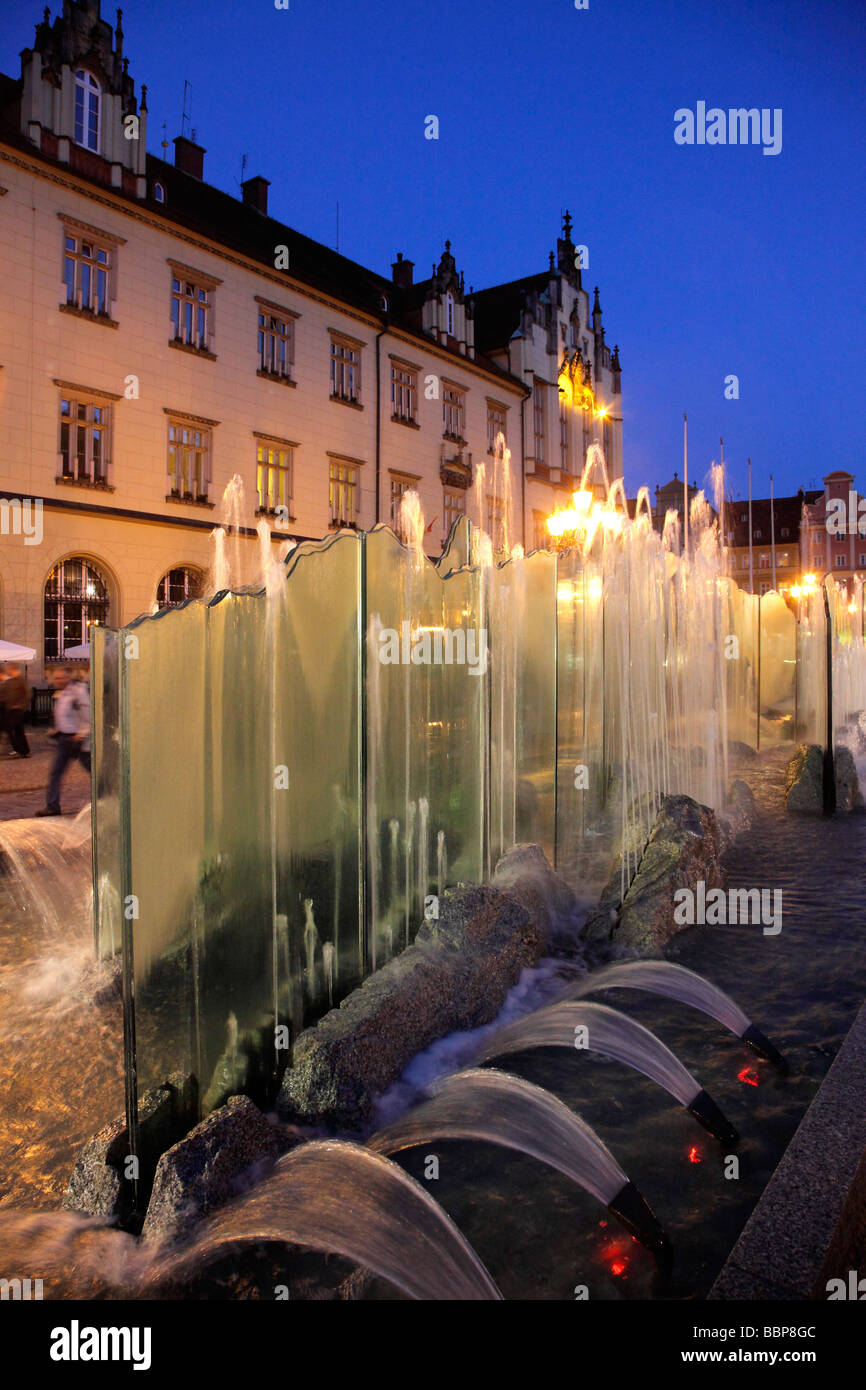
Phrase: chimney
[255,191]
[189,156]
[401,272]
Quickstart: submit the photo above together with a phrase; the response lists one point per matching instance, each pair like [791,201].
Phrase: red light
[695,1154]
[748,1076]
[617,1267]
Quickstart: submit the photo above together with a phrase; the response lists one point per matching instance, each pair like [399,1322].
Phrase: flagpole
[751,559]
[685,484]
[722,505]
[772,531]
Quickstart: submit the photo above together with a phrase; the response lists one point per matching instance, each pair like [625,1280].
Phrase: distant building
[160,336]
[777,557]
[833,541]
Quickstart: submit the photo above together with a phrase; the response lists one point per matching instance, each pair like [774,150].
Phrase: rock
[98,1186]
[739,813]
[683,849]
[738,749]
[233,1147]
[599,925]
[455,976]
[804,781]
[848,794]
[524,873]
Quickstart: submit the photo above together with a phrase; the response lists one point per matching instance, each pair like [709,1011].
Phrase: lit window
[404,392]
[274,460]
[76,595]
[345,369]
[453,506]
[87,109]
[177,586]
[764,560]
[453,412]
[343,484]
[189,449]
[84,440]
[86,271]
[782,560]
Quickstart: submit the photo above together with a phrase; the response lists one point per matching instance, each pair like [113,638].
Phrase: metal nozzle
[762,1046]
[708,1114]
[639,1219]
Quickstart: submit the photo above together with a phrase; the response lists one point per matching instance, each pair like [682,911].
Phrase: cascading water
[596,1028]
[506,1110]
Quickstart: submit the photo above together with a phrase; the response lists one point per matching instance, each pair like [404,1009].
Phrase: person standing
[72,731]
[15,694]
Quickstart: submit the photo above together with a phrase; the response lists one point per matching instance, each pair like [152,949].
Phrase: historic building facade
[159,337]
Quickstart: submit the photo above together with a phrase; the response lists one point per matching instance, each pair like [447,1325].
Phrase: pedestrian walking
[71,731]
[15,699]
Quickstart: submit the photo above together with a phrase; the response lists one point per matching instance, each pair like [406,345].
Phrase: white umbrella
[77,653]
[11,651]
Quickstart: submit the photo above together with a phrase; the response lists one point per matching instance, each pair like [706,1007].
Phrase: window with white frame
[276,342]
[189,460]
[496,414]
[192,308]
[84,439]
[782,560]
[404,391]
[453,412]
[345,369]
[765,587]
[756,535]
[274,460]
[343,492]
[87,273]
[88,102]
[453,506]
[840,562]
[159,193]
[763,560]
[538,403]
[861,560]
[179,585]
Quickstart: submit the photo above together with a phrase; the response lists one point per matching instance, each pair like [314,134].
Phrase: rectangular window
[453,506]
[765,586]
[84,440]
[764,560]
[453,413]
[840,562]
[541,537]
[496,522]
[782,559]
[343,492]
[190,311]
[276,343]
[495,424]
[189,450]
[274,477]
[404,392]
[861,561]
[538,420]
[399,487]
[345,369]
[86,271]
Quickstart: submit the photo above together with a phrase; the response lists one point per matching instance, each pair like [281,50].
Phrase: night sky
[710,260]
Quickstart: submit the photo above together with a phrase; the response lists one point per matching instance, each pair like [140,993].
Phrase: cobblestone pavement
[23,781]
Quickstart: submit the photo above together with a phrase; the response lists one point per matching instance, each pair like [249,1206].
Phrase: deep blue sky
[710,260]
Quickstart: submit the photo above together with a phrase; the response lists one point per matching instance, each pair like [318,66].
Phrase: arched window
[178,585]
[158,193]
[88,96]
[76,595]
